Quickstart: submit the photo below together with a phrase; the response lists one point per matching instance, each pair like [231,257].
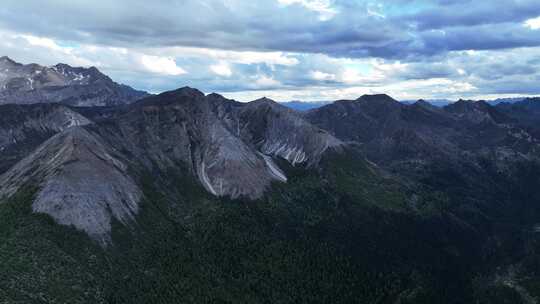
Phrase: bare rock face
[24,127]
[32,83]
[229,146]
[411,138]
[226,166]
[17,121]
[477,112]
[80,183]
[280,132]
[181,127]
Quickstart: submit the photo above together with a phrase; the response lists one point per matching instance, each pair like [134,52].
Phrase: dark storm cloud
[518,86]
[238,25]
[485,37]
[471,13]
[268,25]
[337,44]
[502,70]
[426,70]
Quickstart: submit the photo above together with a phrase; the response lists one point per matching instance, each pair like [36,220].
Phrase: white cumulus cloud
[533,24]
[221,69]
[322,76]
[161,65]
[266,82]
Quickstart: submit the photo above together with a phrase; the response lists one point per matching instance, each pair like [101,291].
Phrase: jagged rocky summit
[61,83]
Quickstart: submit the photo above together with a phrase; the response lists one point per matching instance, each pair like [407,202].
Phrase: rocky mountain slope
[196,198]
[32,83]
[480,157]
[392,133]
[24,127]
[228,146]
[525,111]
[80,182]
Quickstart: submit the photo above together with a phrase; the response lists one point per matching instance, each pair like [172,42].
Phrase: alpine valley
[112,195]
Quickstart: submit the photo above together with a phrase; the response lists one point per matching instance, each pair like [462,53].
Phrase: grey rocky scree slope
[33,83]
[81,183]
[229,147]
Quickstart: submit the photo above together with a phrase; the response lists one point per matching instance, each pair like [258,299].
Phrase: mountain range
[33,83]
[305,106]
[125,197]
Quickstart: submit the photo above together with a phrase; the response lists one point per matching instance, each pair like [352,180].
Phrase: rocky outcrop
[280,132]
[229,146]
[410,139]
[81,183]
[32,83]
[477,112]
[526,112]
[24,127]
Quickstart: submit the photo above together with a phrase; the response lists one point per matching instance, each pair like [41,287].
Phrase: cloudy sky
[289,49]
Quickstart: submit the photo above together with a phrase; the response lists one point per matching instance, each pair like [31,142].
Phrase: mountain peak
[423,103]
[79,73]
[477,111]
[7,60]
[264,100]
[216,95]
[77,86]
[463,105]
[379,104]
[187,92]
[172,97]
[62,65]
[377,98]
[265,103]
[217,99]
